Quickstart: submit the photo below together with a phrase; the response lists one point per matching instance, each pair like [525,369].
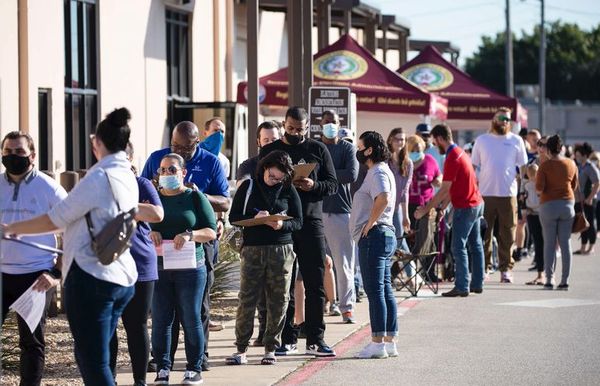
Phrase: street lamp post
[542,74]
[508,54]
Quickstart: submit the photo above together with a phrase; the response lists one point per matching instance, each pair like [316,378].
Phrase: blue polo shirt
[204,170]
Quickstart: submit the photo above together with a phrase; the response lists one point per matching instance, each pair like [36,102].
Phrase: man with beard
[459,187]
[498,155]
[205,173]
[309,242]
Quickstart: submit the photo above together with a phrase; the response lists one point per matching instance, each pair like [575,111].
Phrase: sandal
[535,281]
[236,359]
[269,358]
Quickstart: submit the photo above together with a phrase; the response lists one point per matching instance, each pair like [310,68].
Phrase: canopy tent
[468,100]
[346,64]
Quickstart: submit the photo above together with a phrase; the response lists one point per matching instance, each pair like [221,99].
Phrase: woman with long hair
[402,168]
[556,182]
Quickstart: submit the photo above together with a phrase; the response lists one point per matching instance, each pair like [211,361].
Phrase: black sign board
[328,98]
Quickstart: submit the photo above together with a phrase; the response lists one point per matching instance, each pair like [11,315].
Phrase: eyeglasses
[168,170]
[503,118]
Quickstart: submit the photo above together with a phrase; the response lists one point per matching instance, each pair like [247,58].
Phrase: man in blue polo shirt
[205,172]
[26,193]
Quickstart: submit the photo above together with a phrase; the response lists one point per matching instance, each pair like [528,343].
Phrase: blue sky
[463,22]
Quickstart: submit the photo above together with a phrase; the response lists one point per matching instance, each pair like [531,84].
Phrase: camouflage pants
[264,269]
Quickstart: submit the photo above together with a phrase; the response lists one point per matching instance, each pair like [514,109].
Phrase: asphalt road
[554,339]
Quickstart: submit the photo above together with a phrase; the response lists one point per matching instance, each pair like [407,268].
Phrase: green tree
[572,61]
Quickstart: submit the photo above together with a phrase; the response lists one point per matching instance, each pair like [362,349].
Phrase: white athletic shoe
[373,351]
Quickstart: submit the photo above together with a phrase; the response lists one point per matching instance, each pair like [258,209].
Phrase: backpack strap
[88,215]
[248,192]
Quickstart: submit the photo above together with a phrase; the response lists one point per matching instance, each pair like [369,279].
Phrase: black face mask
[293,139]
[15,164]
[361,157]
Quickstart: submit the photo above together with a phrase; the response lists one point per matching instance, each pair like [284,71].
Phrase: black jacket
[277,199]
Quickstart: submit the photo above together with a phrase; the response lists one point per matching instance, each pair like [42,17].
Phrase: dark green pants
[265,268]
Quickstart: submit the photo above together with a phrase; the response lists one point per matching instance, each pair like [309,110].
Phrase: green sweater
[188,210]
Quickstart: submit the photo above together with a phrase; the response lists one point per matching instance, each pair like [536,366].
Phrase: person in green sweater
[189,218]
[267,255]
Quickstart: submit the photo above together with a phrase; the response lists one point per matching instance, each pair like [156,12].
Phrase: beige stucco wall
[46,70]
[132,70]
[202,51]
[9,67]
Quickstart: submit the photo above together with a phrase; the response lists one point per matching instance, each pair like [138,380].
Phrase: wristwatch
[190,234]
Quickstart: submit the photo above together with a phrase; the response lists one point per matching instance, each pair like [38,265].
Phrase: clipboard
[303,170]
[251,222]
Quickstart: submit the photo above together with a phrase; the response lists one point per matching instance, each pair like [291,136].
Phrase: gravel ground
[61,369]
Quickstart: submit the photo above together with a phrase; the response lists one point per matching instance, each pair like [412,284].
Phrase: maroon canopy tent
[467,98]
[346,64]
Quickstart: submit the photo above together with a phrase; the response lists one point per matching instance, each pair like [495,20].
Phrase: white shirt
[33,196]
[497,158]
[93,193]
[225,164]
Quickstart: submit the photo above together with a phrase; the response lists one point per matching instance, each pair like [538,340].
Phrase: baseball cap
[344,133]
[423,128]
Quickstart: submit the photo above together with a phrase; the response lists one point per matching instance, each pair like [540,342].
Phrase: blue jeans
[93,308]
[466,233]
[182,290]
[374,253]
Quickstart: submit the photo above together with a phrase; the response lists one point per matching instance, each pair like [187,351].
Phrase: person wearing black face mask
[24,194]
[309,242]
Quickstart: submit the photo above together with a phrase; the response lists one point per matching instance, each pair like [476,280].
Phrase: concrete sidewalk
[221,346]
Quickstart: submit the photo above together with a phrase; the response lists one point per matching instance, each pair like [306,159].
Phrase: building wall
[9,67]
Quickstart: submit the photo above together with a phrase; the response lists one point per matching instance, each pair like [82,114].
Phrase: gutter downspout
[23,37]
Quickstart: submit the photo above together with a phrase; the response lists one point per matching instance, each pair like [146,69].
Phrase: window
[178,59]
[81,79]
[44,150]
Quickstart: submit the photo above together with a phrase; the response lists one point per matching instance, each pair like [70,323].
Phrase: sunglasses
[169,170]
[503,118]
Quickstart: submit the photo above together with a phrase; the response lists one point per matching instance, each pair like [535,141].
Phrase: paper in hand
[261,220]
[303,170]
[30,306]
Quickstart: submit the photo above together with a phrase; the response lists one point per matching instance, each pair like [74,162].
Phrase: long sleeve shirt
[344,159]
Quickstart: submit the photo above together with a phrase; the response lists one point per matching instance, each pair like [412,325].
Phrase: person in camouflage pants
[267,256]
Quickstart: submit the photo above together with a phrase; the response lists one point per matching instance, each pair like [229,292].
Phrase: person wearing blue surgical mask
[214,137]
[336,220]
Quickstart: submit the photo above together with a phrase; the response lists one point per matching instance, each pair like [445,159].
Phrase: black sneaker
[162,378]
[286,349]
[152,366]
[192,378]
[454,293]
[563,287]
[548,286]
[319,350]
[476,290]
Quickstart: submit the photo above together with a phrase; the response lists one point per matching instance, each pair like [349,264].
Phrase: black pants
[135,322]
[32,345]
[589,235]
[309,246]
[535,229]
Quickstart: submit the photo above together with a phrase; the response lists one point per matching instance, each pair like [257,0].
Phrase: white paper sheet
[184,258]
[30,306]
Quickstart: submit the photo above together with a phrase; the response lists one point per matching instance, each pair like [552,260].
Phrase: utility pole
[508,55]
[542,74]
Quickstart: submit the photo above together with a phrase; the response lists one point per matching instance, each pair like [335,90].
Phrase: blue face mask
[213,142]
[169,182]
[415,156]
[330,130]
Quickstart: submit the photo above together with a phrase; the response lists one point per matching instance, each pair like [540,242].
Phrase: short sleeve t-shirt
[458,170]
[421,189]
[379,179]
[142,249]
[588,176]
[498,157]
[183,212]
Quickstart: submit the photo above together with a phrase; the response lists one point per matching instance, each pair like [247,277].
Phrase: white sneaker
[373,350]
[391,349]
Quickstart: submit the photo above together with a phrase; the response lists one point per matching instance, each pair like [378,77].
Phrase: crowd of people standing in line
[349,215]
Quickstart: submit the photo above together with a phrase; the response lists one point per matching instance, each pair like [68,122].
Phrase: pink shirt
[421,189]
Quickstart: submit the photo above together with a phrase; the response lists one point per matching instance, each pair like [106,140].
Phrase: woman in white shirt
[95,294]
